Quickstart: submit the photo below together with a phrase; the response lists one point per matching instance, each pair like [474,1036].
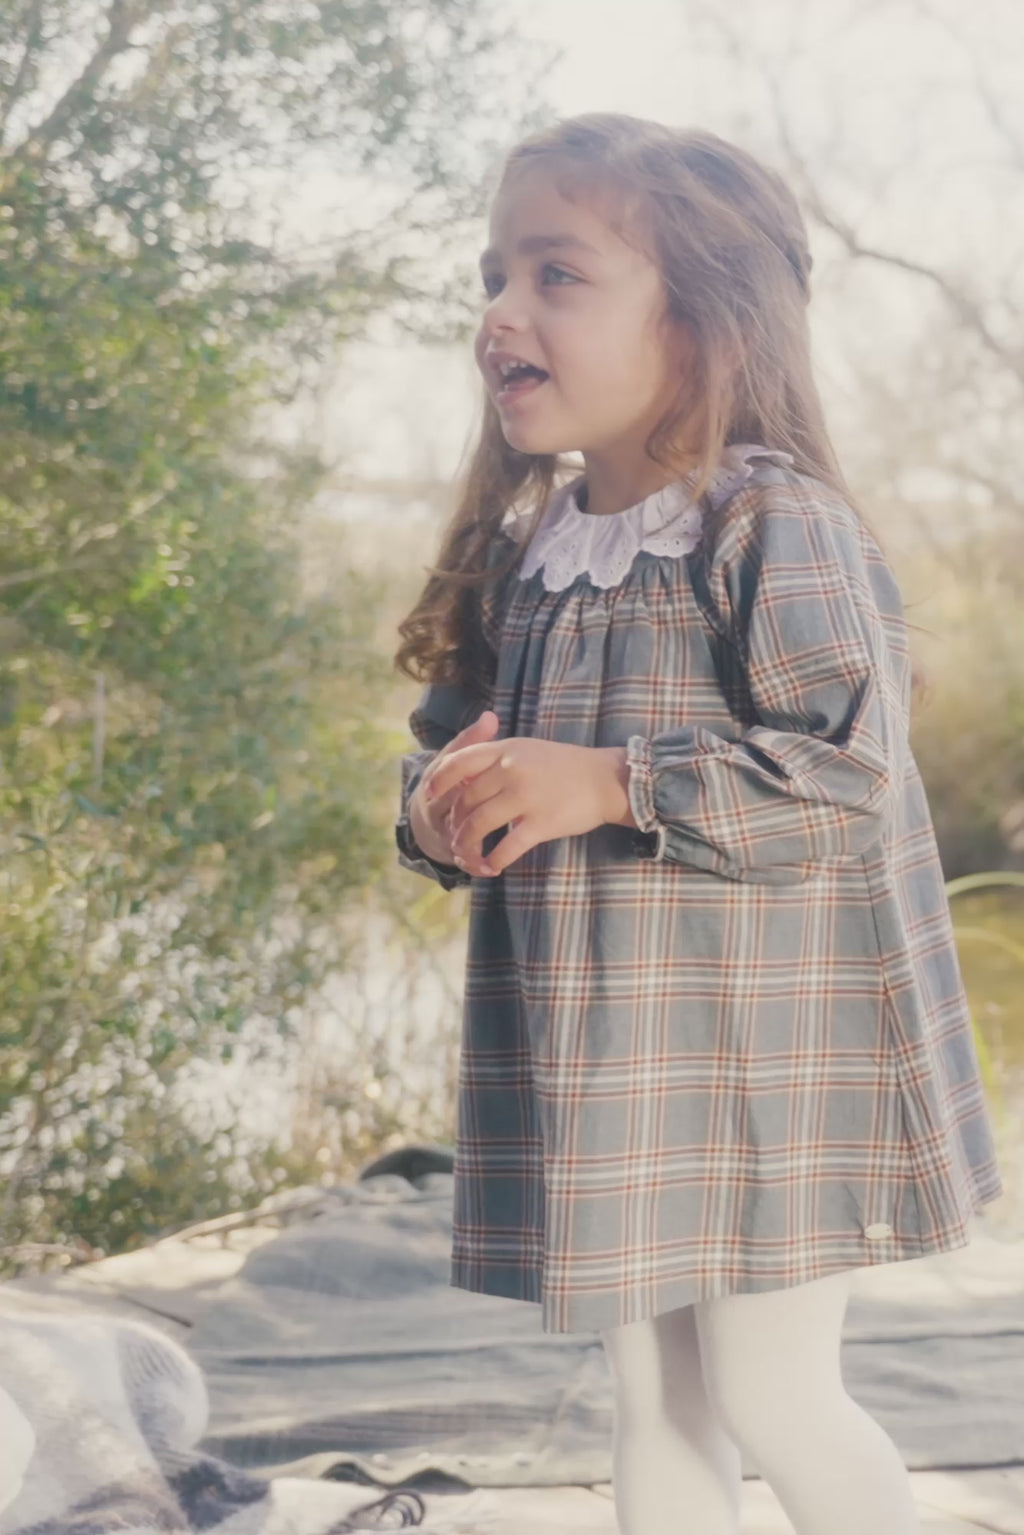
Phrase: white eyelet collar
[570,543]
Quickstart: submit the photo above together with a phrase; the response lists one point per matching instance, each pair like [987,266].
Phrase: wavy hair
[731,243]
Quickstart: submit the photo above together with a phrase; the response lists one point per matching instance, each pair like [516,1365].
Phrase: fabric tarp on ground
[341,1349]
[100,1421]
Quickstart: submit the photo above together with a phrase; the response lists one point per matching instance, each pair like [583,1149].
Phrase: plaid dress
[728,1051]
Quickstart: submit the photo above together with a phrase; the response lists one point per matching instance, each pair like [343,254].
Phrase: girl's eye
[551,276]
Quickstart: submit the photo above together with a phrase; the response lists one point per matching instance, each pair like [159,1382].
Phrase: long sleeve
[814,635]
[443,710]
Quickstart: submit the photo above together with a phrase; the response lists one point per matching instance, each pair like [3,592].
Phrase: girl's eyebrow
[532,245]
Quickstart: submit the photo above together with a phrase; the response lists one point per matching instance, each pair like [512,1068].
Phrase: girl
[716,1050]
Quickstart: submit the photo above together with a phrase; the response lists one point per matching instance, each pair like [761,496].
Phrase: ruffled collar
[569,542]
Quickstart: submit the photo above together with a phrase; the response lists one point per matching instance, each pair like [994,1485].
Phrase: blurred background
[237,289]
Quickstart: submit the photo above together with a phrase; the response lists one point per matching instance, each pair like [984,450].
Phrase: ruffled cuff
[649,840]
[410,854]
[663,771]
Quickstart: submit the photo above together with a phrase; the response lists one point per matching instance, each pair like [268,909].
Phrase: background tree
[193,777]
[899,126]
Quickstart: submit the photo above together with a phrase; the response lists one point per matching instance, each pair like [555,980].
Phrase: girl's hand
[429,816]
[540,789]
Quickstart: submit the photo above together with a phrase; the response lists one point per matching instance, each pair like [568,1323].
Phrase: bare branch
[965,307]
[993,107]
[996,116]
[962,304]
[55,568]
[740,50]
[122,17]
[33,38]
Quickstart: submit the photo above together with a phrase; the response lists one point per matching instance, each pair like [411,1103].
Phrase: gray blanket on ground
[340,1351]
[100,1418]
[341,1347]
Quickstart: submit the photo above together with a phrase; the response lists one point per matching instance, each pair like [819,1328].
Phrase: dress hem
[601,1312]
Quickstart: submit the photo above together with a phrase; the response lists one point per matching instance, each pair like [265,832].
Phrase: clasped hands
[539,789]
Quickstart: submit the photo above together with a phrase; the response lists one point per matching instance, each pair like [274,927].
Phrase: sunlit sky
[882,103]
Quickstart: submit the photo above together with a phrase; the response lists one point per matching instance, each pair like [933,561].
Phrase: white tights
[758,1371]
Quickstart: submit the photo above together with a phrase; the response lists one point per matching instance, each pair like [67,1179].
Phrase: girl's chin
[533,440]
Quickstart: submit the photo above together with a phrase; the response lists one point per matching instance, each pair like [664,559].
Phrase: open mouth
[519,378]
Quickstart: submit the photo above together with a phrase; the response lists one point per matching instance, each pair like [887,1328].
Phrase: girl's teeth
[519,378]
[517,370]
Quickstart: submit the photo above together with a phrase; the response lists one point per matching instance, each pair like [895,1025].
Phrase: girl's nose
[506,311]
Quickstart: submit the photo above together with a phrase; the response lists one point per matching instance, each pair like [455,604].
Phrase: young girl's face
[585,311]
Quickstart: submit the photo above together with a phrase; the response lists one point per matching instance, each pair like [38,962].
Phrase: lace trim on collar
[570,543]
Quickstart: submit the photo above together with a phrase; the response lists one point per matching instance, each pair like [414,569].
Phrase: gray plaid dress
[729,1051]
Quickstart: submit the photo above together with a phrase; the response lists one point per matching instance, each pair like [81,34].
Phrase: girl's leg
[771,1363]
[674,1468]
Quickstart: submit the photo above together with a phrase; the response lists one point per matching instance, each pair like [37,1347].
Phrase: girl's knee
[770,1410]
[654,1362]
[748,1405]
[771,1361]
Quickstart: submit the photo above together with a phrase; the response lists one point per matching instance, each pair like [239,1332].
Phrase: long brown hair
[731,243]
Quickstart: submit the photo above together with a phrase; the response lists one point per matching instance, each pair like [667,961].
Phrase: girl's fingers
[468,836]
[476,734]
[482,729]
[471,792]
[440,813]
[442,803]
[438,801]
[518,840]
[445,773]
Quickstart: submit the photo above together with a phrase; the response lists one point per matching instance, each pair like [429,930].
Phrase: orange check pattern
[730,1051]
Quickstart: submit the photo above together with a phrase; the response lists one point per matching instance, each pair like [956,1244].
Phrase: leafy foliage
[191,784]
